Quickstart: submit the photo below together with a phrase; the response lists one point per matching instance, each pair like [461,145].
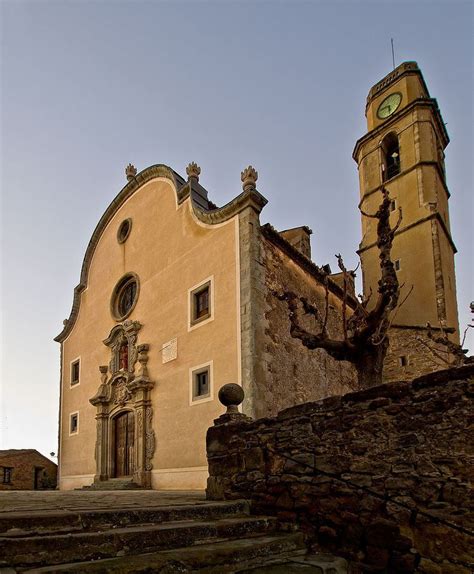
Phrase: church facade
[178,297]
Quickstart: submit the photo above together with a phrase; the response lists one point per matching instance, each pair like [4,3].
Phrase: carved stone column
[145,436]
[100,400]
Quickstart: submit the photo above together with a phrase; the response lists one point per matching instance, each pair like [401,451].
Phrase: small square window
[200,303]
[75,372]
[201,383]
[393,205]
[403,361]
[74,423]
[7,475]
[397,265]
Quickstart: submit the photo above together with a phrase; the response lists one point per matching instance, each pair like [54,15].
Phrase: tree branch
[340,350]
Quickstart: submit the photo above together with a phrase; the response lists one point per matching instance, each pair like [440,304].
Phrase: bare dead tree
[364,342]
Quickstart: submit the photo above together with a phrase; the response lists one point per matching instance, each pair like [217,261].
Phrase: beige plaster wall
[171,252]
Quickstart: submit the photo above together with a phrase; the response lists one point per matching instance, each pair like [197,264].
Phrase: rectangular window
[393,205]
[201,303]
[403,361]
[74,423]
[201,383]
[7,475]
[397,265]
[75,372]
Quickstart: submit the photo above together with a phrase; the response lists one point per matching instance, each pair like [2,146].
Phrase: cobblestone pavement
[34,501]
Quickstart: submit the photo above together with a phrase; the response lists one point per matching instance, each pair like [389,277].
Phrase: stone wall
[293,374]
[380,476]
[24,465]
[412,354]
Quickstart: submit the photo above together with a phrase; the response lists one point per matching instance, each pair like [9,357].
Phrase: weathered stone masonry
[294,374]
[381,476]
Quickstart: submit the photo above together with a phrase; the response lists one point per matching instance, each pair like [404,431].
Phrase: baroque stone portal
[125,390]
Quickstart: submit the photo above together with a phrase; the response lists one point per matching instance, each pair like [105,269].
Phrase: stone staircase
[209,537]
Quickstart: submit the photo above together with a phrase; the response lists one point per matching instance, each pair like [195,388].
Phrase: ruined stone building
[178,297]
[26,469]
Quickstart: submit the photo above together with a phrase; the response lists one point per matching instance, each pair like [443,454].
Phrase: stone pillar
[252,300]
[100,400]
[101,450]
[145,435]
[218,438]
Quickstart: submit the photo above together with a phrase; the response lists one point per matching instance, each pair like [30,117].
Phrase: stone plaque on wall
[170,350]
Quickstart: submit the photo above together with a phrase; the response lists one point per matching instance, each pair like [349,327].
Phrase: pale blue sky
[89,86]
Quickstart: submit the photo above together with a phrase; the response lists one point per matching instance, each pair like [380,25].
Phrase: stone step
[22,524]
[221,557]
[87,546]
[114,484]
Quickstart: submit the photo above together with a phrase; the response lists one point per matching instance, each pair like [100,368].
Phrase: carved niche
[122,342]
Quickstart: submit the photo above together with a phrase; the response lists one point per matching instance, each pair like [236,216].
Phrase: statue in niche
[123,357]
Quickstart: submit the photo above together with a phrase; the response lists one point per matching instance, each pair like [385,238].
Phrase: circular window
[124,230]
[125,296]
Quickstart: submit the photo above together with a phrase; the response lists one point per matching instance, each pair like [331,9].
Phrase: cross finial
[193,171]
[130,171]
[249,178]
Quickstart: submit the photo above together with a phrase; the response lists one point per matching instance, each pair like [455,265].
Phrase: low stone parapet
[380,476]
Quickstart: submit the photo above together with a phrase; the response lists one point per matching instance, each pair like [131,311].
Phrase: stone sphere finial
[249,178]
[193,171]
[231,395]
[130,171]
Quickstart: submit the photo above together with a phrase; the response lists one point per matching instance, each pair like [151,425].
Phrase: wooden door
[124,444]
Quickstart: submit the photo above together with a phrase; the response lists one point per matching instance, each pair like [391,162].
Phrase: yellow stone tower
[403,150]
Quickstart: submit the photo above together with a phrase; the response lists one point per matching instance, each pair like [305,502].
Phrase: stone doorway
[124,451]
[125,436]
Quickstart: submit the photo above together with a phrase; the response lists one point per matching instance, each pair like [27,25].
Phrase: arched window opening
[391,156]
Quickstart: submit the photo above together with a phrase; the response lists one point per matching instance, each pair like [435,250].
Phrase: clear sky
[89,86]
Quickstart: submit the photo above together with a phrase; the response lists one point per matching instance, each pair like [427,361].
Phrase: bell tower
[403,150]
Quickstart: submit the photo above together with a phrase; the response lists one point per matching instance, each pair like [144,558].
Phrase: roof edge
[305,263]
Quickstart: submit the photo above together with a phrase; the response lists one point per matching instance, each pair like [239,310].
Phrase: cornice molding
[404,69]
[419,102]
[429,217]
[250,198]
[422,328]
[426,163]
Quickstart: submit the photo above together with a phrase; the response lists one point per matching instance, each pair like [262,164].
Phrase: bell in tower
[403,150]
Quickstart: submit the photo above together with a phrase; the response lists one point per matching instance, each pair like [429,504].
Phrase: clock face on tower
[389,105]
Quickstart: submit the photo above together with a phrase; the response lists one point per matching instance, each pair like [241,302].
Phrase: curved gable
[204,211]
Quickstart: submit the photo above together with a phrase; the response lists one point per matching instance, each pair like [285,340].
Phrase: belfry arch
[124,413]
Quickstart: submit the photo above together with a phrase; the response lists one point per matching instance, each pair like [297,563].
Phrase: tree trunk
[369,365]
